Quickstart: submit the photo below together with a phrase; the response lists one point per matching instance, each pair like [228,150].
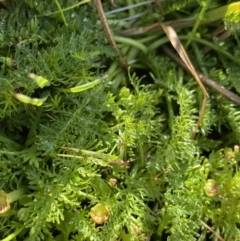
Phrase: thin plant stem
[159,5]
[13,235]
[61,12]
[214,47]
[196,24]
[34,126]
[66,9]
[132,42]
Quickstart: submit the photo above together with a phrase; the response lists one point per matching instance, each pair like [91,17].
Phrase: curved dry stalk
[211,230]
[172,35]
[159,5]
[108,31]
[211,83]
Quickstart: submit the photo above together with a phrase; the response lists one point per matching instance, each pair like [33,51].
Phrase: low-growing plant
[96,149]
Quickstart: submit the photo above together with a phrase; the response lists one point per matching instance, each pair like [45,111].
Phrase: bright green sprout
[41,82]
[27,100]
[87,86]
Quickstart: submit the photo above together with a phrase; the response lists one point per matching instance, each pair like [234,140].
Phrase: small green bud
[8,61]
[4,202]
[41,82]
[124,93]
[211,188]
[236,149]
[22,214]
[112,182]
[99,213]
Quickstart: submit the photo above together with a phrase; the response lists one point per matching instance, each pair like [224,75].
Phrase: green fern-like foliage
[124,145]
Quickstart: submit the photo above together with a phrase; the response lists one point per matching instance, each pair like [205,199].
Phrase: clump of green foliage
[116,161]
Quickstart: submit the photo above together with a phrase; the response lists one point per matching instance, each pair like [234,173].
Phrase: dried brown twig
[172,35]
[211,230]
[159,5]
[219,88]
[108,31]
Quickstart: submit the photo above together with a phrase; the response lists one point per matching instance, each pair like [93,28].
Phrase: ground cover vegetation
[98,140]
